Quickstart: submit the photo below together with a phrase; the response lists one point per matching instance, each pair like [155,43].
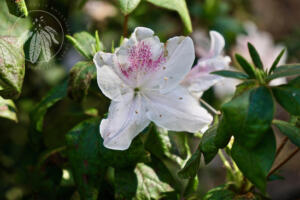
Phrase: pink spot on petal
[141,60]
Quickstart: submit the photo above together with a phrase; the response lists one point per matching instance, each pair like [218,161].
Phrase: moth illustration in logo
[42,37]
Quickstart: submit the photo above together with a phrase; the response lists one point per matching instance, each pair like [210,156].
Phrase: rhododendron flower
[199,78]
[264,44]
[142,78]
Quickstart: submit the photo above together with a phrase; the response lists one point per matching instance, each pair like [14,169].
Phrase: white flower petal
[217,43]
[141,33]
[125,121]
[177,111]
[180,55]
[108,80]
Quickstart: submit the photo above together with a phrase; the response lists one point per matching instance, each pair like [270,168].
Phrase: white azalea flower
[264,44]
[199,78]
[142,78]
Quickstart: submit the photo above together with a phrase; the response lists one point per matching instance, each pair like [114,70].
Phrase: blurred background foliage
[26,169]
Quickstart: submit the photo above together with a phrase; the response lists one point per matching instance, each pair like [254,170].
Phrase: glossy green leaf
[192,166]
[249,115]
[256,162]
[56,94]
[88,168]
[140,182]
[80,79]
[127,6]
[8,109]
[284,71]
[276,61]
[223,134]
[84,43]
[12,68]
[231,74]
[159,144]
[290,130]
[207,145]
[255,56]
[179,6]
[17,7]
[288,96]
[247,67]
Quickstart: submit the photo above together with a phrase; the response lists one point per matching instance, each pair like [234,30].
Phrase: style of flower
[264,44]
[142,78]
[199,78]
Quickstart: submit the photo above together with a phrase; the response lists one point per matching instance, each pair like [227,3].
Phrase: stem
[210,107]
[284,162]
[125,26]
[224,160]
[284,141]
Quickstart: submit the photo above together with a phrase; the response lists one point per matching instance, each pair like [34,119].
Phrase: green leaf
[127,6]
[249,115]
[207,145]
[288,96]
[223,133]
[179,6]
[231,74]
[141,182]
[255,56]
[159,144]
[84,43]
[88,168]
[122,159]
[256,162]
[80,79]
[17,7]
[276,61]
[219,193]
[248,68]
[192,166]
[288,129]
[55,95]
[8,109]
[284,71]
[12,68]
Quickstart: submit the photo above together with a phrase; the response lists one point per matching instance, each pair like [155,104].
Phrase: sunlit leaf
[84,43]
[8,109]
[127,6]
[140,182]
[17,7]
[179,6]
[12,68]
